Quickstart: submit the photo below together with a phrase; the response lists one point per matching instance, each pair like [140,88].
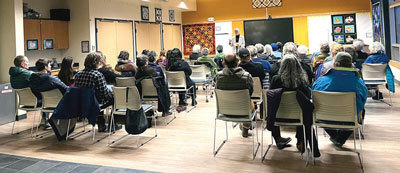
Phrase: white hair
[196,48]
[268,49]
[358,44]
[302,49]
[260,48]
[290,48]
[376,47]
[253,50]
[237,29]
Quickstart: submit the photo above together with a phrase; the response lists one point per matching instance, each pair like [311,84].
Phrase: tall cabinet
[41,29]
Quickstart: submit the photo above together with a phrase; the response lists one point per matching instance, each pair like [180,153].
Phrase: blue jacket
[377,58]
[343,81]
[266,65]
[78,102]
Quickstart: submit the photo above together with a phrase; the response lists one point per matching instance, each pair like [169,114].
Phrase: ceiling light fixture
[182,5]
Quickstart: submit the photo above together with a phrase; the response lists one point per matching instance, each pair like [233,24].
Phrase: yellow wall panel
[238,24]
[300,30]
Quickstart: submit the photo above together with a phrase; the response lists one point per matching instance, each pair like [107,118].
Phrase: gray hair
[358,44]
[343,59]
[196,48]
[260,48]
[268,49]
[376,47]
[351,50]
[253,50]
[205,51]
[292,74]
[290,48]
[302,49]
[220,48]
[324,47]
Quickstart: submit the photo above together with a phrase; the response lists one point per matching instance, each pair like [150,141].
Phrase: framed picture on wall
[85,46]
[349,19]
[171,15]
[350,39]
[337,20]
[48,44]
[337,29]
[339,38]
[158,14]
[145,12]
[349,29]
[32,45]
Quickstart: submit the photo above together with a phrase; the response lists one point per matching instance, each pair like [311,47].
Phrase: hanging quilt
[201,34]
[266,3]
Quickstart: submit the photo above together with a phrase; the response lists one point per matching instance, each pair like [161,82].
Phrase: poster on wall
[158,14]
[171,15]
[344,29]
[145,13]
[199,34]
[377,22]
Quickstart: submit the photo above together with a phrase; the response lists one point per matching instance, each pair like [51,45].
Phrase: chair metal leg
[94,132]
[312,145]
[360,152]
[12,130]
[111,122]
[354,139]
[69,123]
[269,147]
[33,123]
[262,140]
[306,146]
[215,136]
[254,125]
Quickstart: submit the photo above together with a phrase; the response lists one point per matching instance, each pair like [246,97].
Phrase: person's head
[292,74]
[274,46]
[290,48]
[175,57]
[103,61]
[376,47]
[141,61]
[145,52]
[93,61]
[335,49]
[66,72]
[205,51]
[21,61]
[244,54]
[67,62]
[220,48]
[163,53]
[123,55]
[260,48]
[358,44]
[324,48]
[351,50]
[268,50]
[343,59]
[303,50]
[43,65]
[168,54]
[280,46]
[253,51]
[152,56]
[237,31]
[196,48]
[230,61]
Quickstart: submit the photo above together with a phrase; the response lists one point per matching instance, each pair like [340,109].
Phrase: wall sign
[85,46]
[344,29]
[171,15]
[145,12]
[32,45]
[158,14]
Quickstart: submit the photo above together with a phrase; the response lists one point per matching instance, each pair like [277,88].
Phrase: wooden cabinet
[47,30]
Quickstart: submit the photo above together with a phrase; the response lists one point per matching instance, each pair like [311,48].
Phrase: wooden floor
[186,146]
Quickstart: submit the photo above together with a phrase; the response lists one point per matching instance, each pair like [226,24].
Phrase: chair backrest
[26,97]
[289,109]
[176,79]
[119,98]
[374,72]
[257,89]
[149,91]
[335,107]
[125,81]
[264,99]
[50,99]
[198,73]
[233,102]
[134,102]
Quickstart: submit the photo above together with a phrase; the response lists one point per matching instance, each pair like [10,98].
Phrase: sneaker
[180,109]
[101,128]
[245,132]
[300,147]
[164,114]
[282,143]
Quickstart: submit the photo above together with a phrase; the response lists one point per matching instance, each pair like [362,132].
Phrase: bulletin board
[344,28]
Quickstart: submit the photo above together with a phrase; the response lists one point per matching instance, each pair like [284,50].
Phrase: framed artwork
[350,39]
[171,15]
[266,3]
[145,12]
[349,19]
[48,44]
[85,46]
[337,20]
[158,13]
[377,22]
[338,29]
[349,29]
[339,38]
[32,45]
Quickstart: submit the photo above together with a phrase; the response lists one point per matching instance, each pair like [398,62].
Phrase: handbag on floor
[136,121]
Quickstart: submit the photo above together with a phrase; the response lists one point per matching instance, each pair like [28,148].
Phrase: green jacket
[19,77]
[219,56]
[210,63]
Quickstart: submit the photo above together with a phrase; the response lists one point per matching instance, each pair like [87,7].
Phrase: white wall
[223,33]
[44,6]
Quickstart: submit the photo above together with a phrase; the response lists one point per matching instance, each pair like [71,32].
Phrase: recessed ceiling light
[182,5]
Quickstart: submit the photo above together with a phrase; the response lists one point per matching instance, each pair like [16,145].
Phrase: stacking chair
[201,75]
[289,114]
[177,83]
[122,102]
[27,101]
[125,81]
[375,74]
[234,106]
[50,100]
[336,110]
[257,92]
[150,95]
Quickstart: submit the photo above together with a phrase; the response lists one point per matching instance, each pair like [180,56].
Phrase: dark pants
[182,96]
[340,135]
[100,119]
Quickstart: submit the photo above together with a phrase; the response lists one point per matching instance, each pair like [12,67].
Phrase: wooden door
[125,37]
[48,31]
[32,32]
[61,40]
[172,36]
[148,36]
[107,40]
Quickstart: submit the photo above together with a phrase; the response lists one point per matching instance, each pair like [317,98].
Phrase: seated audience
[90,77]
[145,52]
[276,52]
[233,77]
[219,57]
[269,53]
[19,75]
[303,51]
[359,46]
[144,70]
[124,65]
[292,77]
[151,63]
[253,54]
[176,63]
[319,59]
[328,62]
[208,61]
[335,49]
[195,53]
[109,74]
[42,81]
[260,52]
[255,69]
[67,72]
[342,80]
[280,46]
[162,59]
